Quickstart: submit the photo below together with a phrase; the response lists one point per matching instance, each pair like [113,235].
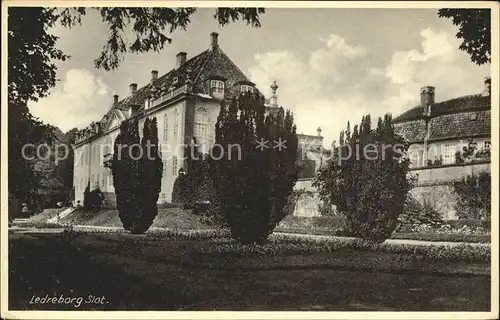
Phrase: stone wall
[308,202]
[434,185]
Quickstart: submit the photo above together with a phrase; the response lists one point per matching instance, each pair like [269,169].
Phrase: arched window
[165,127]
[201,125]
[176,123]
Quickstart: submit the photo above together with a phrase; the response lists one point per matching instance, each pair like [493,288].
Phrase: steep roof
[212,62]
[461,104]
[468,116]
[465,124]
[196,64]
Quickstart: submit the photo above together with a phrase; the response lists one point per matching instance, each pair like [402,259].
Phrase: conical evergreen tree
[137,171]
[255,175]
[368,180]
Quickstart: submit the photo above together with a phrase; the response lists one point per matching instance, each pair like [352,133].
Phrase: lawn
[176,218]
[172,272]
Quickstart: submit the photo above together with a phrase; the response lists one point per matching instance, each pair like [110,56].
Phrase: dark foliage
[95,199]
[193,184]
[474,196]
[367,179]
[415,214]
[253,184]
[86,197]
[474,29]
[136,178]
[151,170]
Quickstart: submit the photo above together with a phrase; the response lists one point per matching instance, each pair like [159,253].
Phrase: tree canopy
[474,29]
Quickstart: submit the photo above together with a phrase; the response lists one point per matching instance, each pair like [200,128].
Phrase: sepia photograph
[320,159]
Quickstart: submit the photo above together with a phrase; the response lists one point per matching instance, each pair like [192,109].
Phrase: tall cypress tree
[137,172]
[368,179]
[151,170]
[253,180]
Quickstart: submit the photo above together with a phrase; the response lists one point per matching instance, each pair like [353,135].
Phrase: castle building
[186,103]
[448,140]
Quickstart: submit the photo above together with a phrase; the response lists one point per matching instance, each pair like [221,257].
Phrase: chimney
[427,99]
[181,59]
[115,99]
[487,87]
[319,131]
[133,88]
[214,42]
[154,75]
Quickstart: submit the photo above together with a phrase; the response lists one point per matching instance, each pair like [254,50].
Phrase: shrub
[95,199]
[167,205]
[86,196]
[253,182]
[471,223]
[366,181]
[414,215]
[137,180]
[474,196]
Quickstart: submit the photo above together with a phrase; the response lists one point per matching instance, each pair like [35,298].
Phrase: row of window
[217,88]
[174,166]
[107,178]
[448,153]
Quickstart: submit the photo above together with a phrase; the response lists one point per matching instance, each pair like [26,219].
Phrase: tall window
[176,123]
[110,180]
[165,127]
[109,145]
[217,88]
[97,181]
[174,165]
[201,125]
[246,88]
[164,167]
[449,153]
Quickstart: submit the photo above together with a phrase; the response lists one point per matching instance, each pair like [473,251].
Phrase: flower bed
[219,243]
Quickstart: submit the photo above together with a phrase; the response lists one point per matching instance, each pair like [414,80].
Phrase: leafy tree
[474,196]
[253,182]
[367,179]
[24,130]
[64,169]
[49,188]
[137,171]
[474,31]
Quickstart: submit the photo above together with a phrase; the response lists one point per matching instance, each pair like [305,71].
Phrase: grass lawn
[176,218]
[174,273]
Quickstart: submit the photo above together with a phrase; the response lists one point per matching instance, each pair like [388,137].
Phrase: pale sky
[331,65]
